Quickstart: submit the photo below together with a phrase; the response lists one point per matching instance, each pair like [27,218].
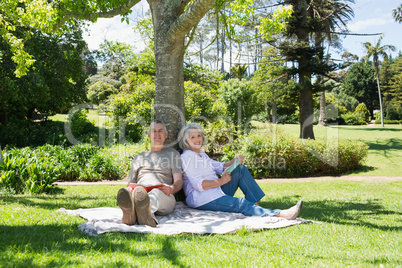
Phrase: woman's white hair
[184,132]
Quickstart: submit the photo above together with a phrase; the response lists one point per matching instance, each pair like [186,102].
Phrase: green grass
[361,225]
[385,145]
[93,116]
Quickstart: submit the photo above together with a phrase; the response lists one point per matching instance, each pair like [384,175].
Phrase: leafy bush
[26,171]
[353,119]
[24,133]
[362,112]
[394,122]
[392,113]
[219,135]
[271,153]
[35,170]
[239,99]
[100,91]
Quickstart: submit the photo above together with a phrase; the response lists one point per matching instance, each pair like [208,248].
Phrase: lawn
[385,145]
[360,226]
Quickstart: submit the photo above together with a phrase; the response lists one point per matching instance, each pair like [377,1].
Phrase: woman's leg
[242,178]
[238,205]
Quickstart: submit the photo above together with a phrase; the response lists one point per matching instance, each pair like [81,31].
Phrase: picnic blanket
[183,220]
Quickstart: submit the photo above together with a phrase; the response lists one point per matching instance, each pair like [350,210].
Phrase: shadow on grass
[57,245]
[353,213]
[54,202]
[379,128]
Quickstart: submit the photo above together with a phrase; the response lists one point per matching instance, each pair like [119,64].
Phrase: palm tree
[397,14]
[375,52]
[329,15]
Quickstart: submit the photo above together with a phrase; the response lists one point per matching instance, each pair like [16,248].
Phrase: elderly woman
[205,191]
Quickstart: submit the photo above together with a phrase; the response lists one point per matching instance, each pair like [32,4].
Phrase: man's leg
[126,203]
[242,178]
[142,207]
[161,204]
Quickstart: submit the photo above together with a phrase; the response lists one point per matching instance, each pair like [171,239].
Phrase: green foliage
[131,109]
[56,80]
[22,133]
[116,56]
[100,91]
[100,77]
[199,102]
[360,84]
[271,153]
[26,171]
[362,111]
[219,135]
[240,101]
[354,119]
[82,127]
[34,170]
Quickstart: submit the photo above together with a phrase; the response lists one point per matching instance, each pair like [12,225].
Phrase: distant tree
[100,91]
[376,52]
[360,84]
[56,80]
[397,14]
[115,56]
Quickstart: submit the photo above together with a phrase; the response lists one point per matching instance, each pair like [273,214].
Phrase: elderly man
[159,167]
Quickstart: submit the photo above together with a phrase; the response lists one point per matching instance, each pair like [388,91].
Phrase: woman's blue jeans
[241,178]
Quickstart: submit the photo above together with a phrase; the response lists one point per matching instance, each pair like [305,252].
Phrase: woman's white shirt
[198,168]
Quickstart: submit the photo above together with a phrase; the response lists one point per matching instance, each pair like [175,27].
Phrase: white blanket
[183,220]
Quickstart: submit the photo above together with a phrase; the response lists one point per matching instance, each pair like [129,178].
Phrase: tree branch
[189,18]
[121,10]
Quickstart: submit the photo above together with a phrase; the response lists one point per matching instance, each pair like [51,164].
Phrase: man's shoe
[142,207]
[126,203]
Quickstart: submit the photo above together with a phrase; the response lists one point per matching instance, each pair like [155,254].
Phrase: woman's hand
[241,159]
[225,178]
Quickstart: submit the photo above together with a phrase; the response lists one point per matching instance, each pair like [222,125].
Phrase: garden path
[307,179]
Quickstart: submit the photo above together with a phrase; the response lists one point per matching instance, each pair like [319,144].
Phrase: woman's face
[194,140]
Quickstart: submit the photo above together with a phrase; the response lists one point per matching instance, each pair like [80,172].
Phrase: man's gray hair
[157,122]
[184,132]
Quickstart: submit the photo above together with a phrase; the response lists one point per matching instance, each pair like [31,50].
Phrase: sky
[371,16]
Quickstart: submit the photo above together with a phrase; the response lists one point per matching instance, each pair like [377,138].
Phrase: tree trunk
[3,109]
[380,99]
[274,112]
[169,81]
[322,120]
[171,24]
[305,93]
[268,109]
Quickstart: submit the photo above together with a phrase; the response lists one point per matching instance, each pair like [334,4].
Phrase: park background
[80,112]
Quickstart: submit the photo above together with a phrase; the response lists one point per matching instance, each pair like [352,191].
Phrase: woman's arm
[227,164]
[206,184]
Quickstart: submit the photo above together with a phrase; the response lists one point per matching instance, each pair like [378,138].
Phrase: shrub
[271,153]
[219,135]
[35,170]
[353,119]
[25,171]
[362,112]
[391,112]
[100,91]
[24,133]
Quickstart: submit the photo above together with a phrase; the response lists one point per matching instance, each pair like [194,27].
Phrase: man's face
[157,135]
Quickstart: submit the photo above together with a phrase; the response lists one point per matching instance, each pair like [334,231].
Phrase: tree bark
[171,24]
[322,120]
[305,93]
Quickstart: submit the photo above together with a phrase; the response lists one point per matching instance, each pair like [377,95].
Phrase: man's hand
[167,189]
